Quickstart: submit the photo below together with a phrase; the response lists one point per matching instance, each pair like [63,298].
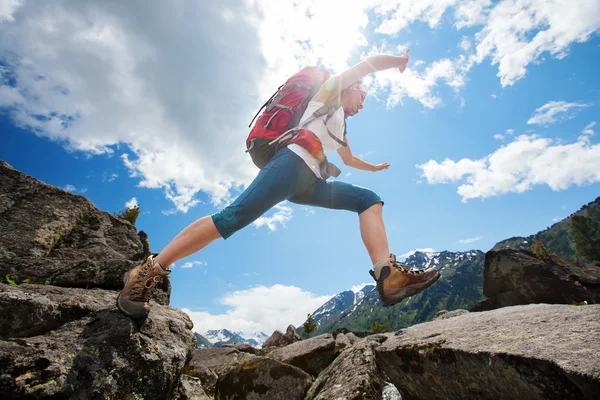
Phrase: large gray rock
[209,364]
[48,234]
[514,277]
[352,375]
[87,350]
[311,355]
[524,352]
[265,379]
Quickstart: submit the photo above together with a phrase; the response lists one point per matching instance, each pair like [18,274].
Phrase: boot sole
[409,291]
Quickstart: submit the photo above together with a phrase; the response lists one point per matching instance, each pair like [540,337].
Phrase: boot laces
[405,268]
[145,284]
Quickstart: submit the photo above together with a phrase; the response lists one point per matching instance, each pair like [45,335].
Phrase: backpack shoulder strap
[330,112]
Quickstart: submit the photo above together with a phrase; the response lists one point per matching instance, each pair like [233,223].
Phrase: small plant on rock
[130,214]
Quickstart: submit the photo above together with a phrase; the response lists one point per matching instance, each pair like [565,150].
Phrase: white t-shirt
[317,126]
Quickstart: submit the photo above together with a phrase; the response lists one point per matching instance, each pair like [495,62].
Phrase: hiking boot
[395,280]
[139,283]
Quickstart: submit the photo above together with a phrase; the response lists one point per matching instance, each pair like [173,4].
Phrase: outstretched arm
[351,160]
[337,83]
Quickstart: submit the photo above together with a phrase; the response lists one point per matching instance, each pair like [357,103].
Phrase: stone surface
[524,352]
[354,374]
[209,364]
[243,347]
[88,350]
[190,388]
[30,310]
[344,340]
[48,234]
[311,355]
[515,277]
[445,314]
[263,378]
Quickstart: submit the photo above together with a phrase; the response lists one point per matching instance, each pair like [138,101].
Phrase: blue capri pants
[287,177]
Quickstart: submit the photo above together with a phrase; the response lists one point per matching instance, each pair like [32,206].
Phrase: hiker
[297,172]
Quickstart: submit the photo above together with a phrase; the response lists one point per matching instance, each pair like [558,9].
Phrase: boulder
[278,339]
[263,378]
[311,355]
[209,364]
[515,277]
[532,352]
[354,374]
[87,350]
[51,235]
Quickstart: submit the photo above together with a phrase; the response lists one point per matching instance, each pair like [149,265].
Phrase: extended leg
[195,237]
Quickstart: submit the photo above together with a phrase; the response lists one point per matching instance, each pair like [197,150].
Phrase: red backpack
[278,126]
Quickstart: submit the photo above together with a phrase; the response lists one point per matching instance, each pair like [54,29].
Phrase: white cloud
[260,308]
[422,250]
[472,12]
[546,114]
[73,189]
[109,178]
[528,161]
[360,286]
[498,136]
[518,33]
[281,217]
[93,75]
[398,14]
[465,44]
[493,96]
[588,129]
[190,264]
[470,240]
[8,8]
[131,203]
[510,131]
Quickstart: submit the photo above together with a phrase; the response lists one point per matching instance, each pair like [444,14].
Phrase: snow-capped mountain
[332,309]
[219,337]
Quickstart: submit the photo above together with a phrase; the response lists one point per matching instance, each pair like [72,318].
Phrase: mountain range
[219,337]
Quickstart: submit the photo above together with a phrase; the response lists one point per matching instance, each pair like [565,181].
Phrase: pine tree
[379,328]
[586,233]
[309,325]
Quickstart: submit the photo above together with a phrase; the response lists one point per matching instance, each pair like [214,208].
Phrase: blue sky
[491,132]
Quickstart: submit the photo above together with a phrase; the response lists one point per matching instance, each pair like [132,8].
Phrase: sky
[491,132]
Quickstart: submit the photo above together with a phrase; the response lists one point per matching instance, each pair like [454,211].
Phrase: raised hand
[381,167]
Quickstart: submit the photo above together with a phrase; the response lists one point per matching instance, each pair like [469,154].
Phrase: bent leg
[344,196]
